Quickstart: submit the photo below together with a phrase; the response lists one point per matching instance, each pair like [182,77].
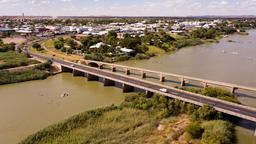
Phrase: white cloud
[124,7]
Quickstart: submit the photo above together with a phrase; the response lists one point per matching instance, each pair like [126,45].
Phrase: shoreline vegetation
[12,59]
[214,93]
[40,72]
[141,119]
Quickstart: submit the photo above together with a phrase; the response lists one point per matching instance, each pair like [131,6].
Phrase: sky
[127,7]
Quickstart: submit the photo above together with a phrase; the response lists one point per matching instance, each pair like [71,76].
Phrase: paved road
[226,107]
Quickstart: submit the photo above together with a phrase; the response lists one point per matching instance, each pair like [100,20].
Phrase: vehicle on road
[72,65]
[163,90]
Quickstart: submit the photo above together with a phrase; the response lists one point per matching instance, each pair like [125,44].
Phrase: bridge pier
[255,132]
[101,67]
[113,69]
[108,82]
[78,73]
[143,74]
[66,69]
[233,90]
[91,77]
[128,72]
[205,84]
[149,94]
[162,78]
[127,88]
[182,82]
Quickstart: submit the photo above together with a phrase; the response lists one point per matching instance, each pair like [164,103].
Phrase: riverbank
[12,59]
[37,72]
[138,120]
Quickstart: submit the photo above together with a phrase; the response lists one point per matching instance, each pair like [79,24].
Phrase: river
[30,106]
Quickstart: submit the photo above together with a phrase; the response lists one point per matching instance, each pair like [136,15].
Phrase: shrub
[7,47]
[140,56]
[7,77]
[205,113]
[217,132]
[37,46]
[195,130]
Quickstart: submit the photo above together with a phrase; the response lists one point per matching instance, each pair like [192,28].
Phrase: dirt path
[17,40]
[170,130]
[2,62]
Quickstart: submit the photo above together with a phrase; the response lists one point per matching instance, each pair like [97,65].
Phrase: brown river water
[30,106]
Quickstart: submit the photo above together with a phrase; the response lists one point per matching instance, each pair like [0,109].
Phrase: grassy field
[176,36]
[153,50]
[12,59]
[8,78]
[138,120]
[41,71]
[50,50]
[110,127]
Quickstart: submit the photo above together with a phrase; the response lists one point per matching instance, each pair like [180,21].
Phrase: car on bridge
[164,90]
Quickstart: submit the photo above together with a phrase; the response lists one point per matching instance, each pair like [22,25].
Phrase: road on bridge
[226,107]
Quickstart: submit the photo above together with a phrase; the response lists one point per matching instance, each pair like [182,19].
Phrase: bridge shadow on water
[249,125]
[243,95]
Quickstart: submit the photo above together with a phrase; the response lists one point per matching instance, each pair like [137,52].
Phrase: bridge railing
[207,82]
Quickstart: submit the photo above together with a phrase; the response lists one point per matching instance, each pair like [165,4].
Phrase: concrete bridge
[95,70]
[162,76]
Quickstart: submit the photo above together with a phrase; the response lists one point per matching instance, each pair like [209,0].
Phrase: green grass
[11,59]
[8,78]
[41,71]
[215,93]
[111,127]
[176,36]
[49,43]
[153,50]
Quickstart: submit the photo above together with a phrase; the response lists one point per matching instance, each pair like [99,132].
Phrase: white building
[98,45]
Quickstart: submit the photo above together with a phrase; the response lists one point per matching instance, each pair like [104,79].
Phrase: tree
[61,39]
[69,50]
[58,44]
[164,37]
[37,46]
[111,38]
[205,113]
[112,34]
[71,43]
[1,42]
[131,42]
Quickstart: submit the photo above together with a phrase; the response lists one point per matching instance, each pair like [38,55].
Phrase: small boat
[64,95]
[250,58]
[224,51]
[234,53]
